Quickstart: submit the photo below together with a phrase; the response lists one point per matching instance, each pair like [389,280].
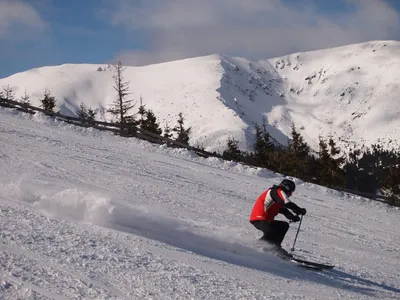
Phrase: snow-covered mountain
[88,215]
[350,92]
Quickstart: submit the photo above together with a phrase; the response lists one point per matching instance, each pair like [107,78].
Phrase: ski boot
[282,252]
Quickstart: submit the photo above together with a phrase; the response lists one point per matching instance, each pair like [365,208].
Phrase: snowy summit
[349,93]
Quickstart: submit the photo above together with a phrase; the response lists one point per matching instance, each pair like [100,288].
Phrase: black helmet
[288,186]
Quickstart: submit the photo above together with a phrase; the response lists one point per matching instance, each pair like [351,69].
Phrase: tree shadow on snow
[174,233]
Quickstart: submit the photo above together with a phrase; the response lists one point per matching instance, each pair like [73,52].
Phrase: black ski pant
[274,231]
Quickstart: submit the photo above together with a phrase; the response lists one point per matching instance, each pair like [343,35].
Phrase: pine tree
[359,169]
[85,113]
[269,146]
[351,169]
[258,145]
[147,120]
[313,169]
[297,158]
[279,160]
[392,184]
[297,144]
[48,101]
[82,112]
[167,131]
[26,98]
[331,173]
[9,93]
[232,152]
[337,161]
[374,169]
[263,146]
[91,114]
[150,123]
[324,160]
[141,112]
[323,152]
[333,149]
[121,106]
[183,134]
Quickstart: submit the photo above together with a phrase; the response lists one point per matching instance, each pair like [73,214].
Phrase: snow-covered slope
[88,215]
[349,92]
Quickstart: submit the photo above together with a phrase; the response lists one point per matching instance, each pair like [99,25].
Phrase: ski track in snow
[87,215]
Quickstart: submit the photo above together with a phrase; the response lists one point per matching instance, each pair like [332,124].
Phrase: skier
[271,202]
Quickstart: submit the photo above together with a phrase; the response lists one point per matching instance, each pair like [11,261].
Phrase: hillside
[349,92]
[88,215]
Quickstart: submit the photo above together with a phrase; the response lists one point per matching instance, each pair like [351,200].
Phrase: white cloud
[18,20]
[252,28]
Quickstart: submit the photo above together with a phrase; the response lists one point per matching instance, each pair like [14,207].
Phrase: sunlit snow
[88,215]
[350,93]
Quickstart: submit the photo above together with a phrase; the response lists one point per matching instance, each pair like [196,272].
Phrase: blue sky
[49,32]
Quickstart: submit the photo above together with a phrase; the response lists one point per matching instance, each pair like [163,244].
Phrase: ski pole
[298,229]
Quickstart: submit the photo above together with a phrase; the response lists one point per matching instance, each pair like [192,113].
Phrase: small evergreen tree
[325,176]
[232,152]
[392,184]
[258,145]
[82,112]
[85,113]
[48,101]
[297,158]
[141,112]
[167,131]
[183,133]
[147,119]
[263,146]
[337,161]
[269,146]
[121,106]
[26,98]
[313,169]
[91,114]
[150,123]
[323,152]
[9,93]
[351,169]
[334,151]
[297,145]
[277,161]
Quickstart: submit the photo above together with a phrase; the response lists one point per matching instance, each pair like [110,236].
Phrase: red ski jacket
[268,204]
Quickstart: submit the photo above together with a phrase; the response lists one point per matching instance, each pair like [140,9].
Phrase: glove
[295,218]
[302,211]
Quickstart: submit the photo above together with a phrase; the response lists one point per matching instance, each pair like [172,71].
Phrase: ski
[282,253]
[311,263]
[306,266]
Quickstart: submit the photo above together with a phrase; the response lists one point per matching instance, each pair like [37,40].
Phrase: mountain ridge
[348,92]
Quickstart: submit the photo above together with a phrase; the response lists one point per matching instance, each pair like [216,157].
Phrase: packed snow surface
[350,93]
[88,215]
